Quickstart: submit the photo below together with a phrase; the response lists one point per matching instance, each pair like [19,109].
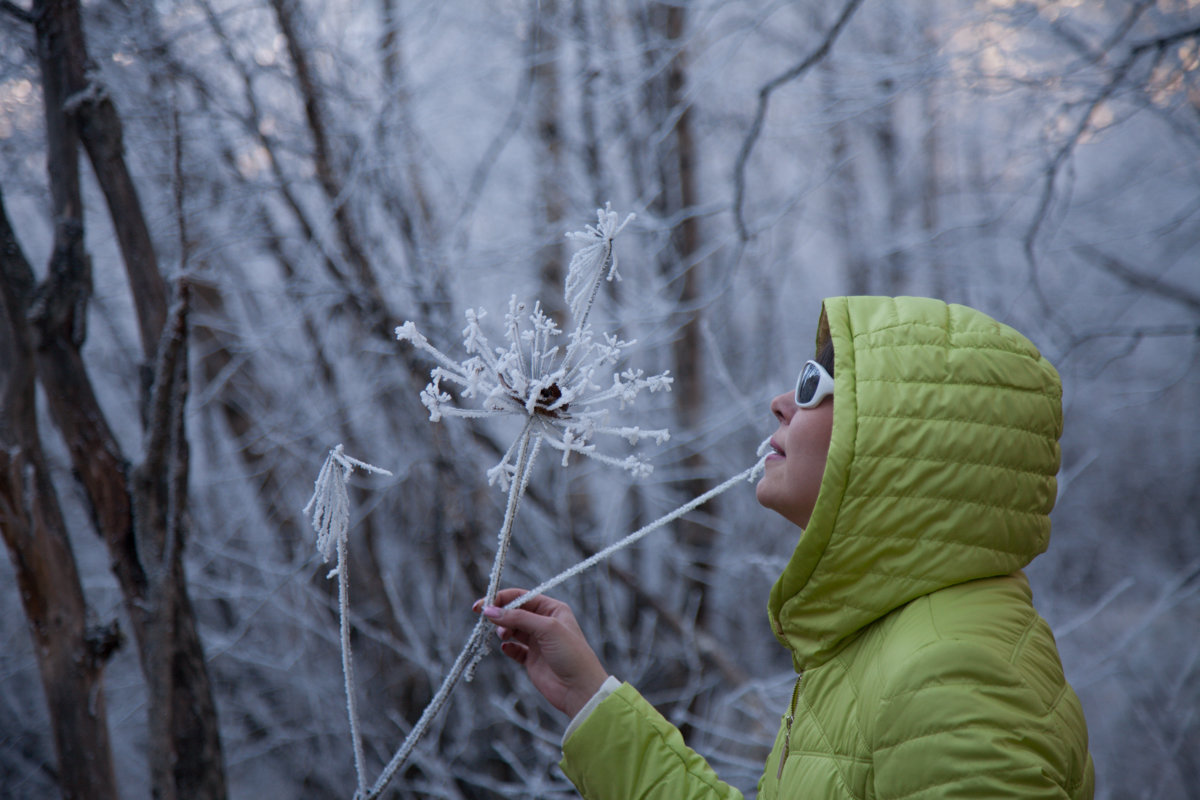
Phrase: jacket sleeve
[959,721]
[626,750]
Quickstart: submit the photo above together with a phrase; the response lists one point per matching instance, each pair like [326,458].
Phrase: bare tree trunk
[847,206]
[550,198]
[288,16]
[887,143]
[931,195]
[185,752]
[676,198]
[70,656]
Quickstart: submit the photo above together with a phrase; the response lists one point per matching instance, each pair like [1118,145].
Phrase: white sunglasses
[813,385]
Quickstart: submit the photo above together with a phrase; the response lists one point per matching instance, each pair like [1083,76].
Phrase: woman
[923,485]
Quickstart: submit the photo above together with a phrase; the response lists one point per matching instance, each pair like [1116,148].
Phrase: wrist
[575,700]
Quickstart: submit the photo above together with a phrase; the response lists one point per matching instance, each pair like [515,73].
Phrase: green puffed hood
[941,466]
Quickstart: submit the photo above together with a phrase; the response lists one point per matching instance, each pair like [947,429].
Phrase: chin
[762,493]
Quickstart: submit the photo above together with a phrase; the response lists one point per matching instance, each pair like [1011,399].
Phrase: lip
[778,454]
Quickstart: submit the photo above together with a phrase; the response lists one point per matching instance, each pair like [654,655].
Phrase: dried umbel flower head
[563,392]
[330,505]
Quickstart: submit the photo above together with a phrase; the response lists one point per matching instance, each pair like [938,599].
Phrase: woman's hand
[544,637]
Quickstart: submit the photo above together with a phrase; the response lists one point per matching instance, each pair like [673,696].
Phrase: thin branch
[343,571]
[1163,42]
[18,13]
[1139,280]
[163,394]
[1159,46]
[640,533]
[764,96]
[483,168]
[1135,334]
[474,649]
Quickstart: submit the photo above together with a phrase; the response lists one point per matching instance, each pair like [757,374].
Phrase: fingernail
[492,612]
[475,606]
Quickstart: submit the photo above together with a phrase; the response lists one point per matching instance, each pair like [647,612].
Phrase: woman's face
[793,472]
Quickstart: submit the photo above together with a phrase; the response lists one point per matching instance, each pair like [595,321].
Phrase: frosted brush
[330,509]
[562,390]
[751,475]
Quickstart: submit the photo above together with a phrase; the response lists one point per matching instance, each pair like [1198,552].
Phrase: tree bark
[550,198]
[185,751]
[677,196]
[70,657]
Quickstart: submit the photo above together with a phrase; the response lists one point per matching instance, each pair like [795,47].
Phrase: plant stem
[516,490]
[473,650]
[348,662]
[599,556]
[465,656]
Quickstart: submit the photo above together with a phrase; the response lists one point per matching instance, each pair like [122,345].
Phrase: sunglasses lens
[810,379]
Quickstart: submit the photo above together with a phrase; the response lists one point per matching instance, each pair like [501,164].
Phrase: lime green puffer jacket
[925,671]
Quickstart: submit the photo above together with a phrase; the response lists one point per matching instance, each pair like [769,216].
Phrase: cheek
[811,446]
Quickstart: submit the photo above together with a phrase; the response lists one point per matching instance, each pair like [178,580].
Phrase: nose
[783,406]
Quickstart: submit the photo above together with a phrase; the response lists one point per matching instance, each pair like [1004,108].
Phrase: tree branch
[1159,45]
[18,13]
[760,114]
[1163,42]
[1139,280]
[1136,334]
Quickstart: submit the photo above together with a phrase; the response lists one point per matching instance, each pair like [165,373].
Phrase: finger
[517,652]
[541,604]
[506,596]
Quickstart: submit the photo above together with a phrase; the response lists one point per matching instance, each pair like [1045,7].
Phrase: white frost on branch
[330,508]
[588,264]
[330,505]
[561,391]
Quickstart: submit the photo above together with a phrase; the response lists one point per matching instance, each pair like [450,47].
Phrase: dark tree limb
[760,113]
[185,753]
[1158,46]
[16,12]
[1139,280]
[289,18]
[70,657]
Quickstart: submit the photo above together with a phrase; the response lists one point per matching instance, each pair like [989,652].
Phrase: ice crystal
[588,264]
[561,388]
[330,505]
[563,391]
[330,509]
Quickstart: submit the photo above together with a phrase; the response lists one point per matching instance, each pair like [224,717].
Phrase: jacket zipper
[787,738]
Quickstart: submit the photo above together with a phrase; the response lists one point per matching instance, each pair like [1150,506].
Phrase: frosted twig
[473,648]
[553,389]
[343,574]
[457,671]
[330,509]
[587,266]
[329,504]
[556,389]
[516,490]
[750,474]
[528,444]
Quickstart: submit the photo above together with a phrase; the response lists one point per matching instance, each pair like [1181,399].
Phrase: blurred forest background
[216,211]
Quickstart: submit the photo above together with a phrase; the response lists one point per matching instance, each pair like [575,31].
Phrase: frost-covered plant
[562,392]
[330,509]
